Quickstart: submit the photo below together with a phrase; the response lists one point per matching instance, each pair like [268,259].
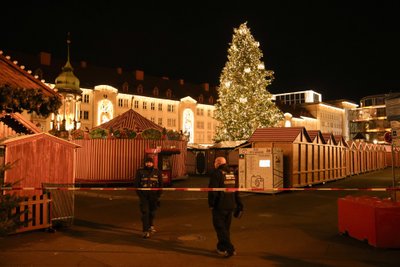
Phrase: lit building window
[144,106]
[105,111]
[152,106]
[136,104]
[188,120]
[160,106]
[171,122]
[171,108]
[85,98]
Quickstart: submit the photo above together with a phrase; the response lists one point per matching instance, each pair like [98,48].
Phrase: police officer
[148,177]
[223,204]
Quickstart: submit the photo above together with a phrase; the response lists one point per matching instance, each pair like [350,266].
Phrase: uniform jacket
[223,177]
[148,178]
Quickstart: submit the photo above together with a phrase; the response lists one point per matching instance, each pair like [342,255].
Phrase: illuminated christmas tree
[244,103]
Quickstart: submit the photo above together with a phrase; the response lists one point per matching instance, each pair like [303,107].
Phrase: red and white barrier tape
[199,189]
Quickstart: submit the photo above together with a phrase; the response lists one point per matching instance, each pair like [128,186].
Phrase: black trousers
[148,207]
[222,223]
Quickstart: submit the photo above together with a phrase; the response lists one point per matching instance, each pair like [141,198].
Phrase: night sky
[342,49]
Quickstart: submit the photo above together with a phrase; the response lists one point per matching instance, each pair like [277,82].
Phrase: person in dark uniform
[223,204]
[148,177]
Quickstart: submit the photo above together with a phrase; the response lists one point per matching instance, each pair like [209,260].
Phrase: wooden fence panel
[38,216]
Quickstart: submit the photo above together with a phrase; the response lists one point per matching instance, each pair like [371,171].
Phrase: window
[155,91]
[139,89]
[171,122]
[168,93]
[160,121]
[171,108]
[201,98]
[160,106]
[144,105]
[209,113]
[85,98]
[200,125]
[381,112]
[380,101]
[368,102]
[152,106]
[120,102]
[126,103]
[125,87]
[136,104]
[303,98]
[211,100]
[152,119]
[85,115]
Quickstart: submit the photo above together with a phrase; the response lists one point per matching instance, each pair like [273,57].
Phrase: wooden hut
[318,150]
[117,160]
[310,157]
[344,156]
[39,159]
[296,146]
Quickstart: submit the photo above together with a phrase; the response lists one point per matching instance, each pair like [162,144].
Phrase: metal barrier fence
[62,210]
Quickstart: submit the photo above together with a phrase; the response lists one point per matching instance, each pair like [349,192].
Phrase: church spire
[67,81]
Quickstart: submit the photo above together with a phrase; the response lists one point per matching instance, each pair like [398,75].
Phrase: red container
[370,218]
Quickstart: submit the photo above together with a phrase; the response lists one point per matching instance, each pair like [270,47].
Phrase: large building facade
[369,121]
[94,95]
[306,109]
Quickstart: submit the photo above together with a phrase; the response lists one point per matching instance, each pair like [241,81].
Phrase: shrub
[98,133]
[124,133]
[9,222]
[151,134]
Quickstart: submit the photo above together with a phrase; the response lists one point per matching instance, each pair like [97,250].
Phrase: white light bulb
[261,66]
[247,70]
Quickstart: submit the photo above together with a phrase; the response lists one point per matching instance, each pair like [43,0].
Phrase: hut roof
[16,77]
[316,135]
[279,134]
[228,144]
[18,123]
[131,120]
[30,137]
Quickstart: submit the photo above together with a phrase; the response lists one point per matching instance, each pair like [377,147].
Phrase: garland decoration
[31,100]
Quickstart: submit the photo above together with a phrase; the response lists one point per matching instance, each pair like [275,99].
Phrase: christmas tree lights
[244,103]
